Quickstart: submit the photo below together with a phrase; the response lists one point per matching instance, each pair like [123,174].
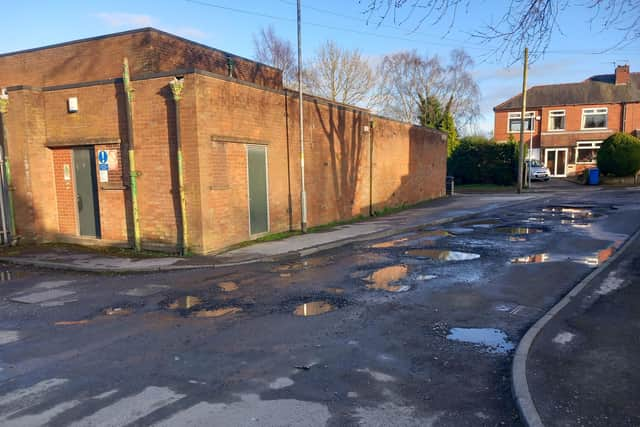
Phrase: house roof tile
[595,90]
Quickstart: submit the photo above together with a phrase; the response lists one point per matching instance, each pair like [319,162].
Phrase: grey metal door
[86,192]
[258,193]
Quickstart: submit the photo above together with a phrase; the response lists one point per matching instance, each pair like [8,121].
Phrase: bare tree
[341,75]
[528,23]
[403,76]
[406,77]
[277,52]
[462,89]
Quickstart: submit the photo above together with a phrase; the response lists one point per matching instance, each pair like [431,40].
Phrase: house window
[594,118]
[587,152]
[557,120]
[514,122]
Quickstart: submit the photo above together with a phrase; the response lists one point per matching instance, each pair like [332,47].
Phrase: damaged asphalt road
[417,329]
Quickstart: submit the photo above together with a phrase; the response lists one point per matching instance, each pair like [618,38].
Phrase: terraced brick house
[566,123]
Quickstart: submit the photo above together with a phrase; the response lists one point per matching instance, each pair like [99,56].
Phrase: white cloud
[118,19]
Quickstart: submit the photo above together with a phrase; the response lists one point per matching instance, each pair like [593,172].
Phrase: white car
[538,171]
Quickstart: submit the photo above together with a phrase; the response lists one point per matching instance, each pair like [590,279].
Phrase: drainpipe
[624,117]
[371,124]
[133,174]
[4,108]
[177,86]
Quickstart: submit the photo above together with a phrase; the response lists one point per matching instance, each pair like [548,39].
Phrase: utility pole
[303,193]
[524,110]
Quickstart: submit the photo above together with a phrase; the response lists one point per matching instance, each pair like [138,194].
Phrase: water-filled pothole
[228,286]
[218,312]
[442,254]
[384,279]
[305,264]
[313,308]
[493,340]
[8,275]
[481,223]
[184,303]
[389,243]
[519,230]
[592,260]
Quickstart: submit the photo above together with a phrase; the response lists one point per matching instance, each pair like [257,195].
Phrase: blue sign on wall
[104,166]
[103,157]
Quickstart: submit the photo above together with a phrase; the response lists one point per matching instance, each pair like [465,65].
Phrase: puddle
[425,277]
[371,258]
[591,260]
[481,223]
[219,312]
[493,340]
[313,308]
[72,322]
[383,279]
[442,255]
[184,303]
[518,230]
[117,311]
[575,224]
[532,259]
[337,291]
[460,230]
[228,286]
[389,243]
[572,212]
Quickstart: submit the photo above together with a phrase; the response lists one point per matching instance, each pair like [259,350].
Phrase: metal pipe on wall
[303,193]
[9,235]
[177,86]
[133,174]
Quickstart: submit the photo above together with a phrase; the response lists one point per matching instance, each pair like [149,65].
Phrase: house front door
[555,159]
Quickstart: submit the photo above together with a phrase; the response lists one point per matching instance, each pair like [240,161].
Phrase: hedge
[477,160]
[619,155]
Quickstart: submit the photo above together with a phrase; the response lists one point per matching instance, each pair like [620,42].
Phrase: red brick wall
[149,51]
[409,164]
[216,125]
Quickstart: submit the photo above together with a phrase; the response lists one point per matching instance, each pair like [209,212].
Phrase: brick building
[566,123]
[68,132]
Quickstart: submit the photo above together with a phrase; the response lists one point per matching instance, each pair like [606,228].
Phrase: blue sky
[230,24]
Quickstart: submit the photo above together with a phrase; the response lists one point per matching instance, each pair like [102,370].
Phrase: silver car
[538,171]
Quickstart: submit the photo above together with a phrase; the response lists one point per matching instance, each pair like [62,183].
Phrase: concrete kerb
[519,383]
[288,255]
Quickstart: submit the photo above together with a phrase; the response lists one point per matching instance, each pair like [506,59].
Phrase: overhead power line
[462,44]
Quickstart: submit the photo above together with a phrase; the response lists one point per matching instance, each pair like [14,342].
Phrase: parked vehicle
[537,171]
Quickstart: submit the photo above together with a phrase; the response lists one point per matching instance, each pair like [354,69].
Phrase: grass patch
[464,188]
[96,250]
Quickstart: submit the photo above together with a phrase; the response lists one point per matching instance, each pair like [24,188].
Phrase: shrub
[619,155]
[477,160]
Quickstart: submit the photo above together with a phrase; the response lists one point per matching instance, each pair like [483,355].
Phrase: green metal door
[86,192]
[258,197]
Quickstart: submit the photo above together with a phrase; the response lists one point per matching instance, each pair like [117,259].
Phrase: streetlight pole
[303,193]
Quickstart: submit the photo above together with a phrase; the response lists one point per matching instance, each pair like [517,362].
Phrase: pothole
[389,243]
[184,303]
[490,339]
[384,279]
[117,311]
[305,264]
[442,254]
[481,223]
[228,286]
[9,275]
[519,230]
[313,308]
[218,312]
[593,260]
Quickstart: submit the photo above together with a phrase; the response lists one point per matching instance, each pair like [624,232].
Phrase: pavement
[581,367]
[429,213]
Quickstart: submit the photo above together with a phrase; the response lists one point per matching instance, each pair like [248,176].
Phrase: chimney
[622,74]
